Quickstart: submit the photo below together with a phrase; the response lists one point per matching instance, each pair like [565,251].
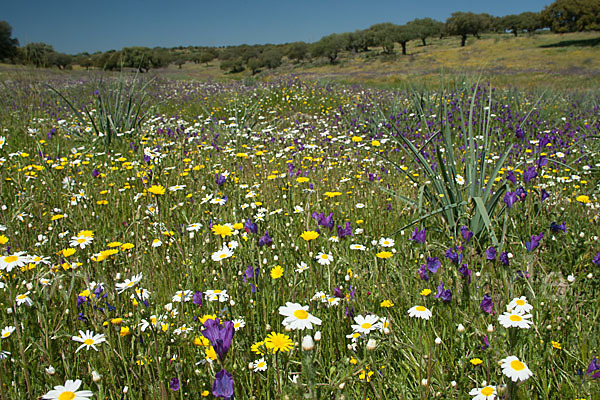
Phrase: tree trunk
[423,40]
[515,32]
[463,40]
[403,48]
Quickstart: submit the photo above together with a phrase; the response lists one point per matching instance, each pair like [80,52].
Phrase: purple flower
[486,343]
[593,370]
[490,253]
[223,385]
[487,304]
[554,227]
[521,193]
[445,295]
[452,255]
[337,292]
[433,264]
[322,220]
[219,335]
[510,175]
[535,242]
[250,226]
[423,273]
[265,240]
[343,232]
[221,179]
[544,195]
[510,198]
[504,258]
[596,259]
[95,173]
[418,236]
[197,298]
[81,300]
[250,273]
[542,162]
[530,174]
[466,272]
[174,384]
[466,234]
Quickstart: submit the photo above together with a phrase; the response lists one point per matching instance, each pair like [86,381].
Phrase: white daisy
[301,266]
[515,369]
[297,317]
[225,252]
[214,295]
[23,299]
[259,365]
[7,331]
[460,180]
[324,259]
[196,226]
[519,305]
[129,283]
[516,320]
[238,324]
[355,246]
[15,260]
[82,240]
[176,188]
[386,242]
[420,312]
[484,393]
[88,339]
[366,324]
[68,391]
[182,296]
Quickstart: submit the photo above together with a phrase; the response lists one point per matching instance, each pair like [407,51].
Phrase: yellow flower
[205,393]
[223,230]
[278,342]
[476,361]
[375,143]
[556,345]
[356,139]
[57,216]
[157,189]
[384,254]
[210,353]
[206,317]
[114,244]
[256,348]
[332,194]
[425,292]
[387,303]
[127,246]
[276,272]
[309,235]
[125,331]
[68,252]
[3,239]
[302,179]
[583,199]
[238,226]
[116,321]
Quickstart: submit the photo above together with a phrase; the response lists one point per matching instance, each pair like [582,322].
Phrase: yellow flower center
[66,396]
[89,342]
[516,318]
[261,364]
[517,365]
[10,259]
[130,284]
[520,302]
[21,296]
[300,314]
[222,255]
[421,308]
[487,391]
[366,325]
[6,334]
[81,240]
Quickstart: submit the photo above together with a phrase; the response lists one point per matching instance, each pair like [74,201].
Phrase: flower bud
[317,336]
[371,344]
[438,340]
[308,343]
[96,376]
[461,328]
[424,382]
[50,370]
[490,328]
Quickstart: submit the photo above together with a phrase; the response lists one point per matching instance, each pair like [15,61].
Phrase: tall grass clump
[119,107]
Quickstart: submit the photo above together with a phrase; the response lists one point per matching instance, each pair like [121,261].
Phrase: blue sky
[75,26]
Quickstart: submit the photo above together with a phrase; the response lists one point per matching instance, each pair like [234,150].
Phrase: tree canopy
[8,45]
[572,16]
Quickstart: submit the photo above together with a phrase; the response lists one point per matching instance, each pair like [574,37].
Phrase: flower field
[297,240]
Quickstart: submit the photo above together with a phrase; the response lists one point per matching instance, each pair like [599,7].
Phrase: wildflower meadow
[293,239]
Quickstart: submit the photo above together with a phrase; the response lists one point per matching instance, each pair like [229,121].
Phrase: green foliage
[233,65]
[120,108]
[425,28]
[329,46]
[572,16]
[467,23]
[297,51]
[8,45]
